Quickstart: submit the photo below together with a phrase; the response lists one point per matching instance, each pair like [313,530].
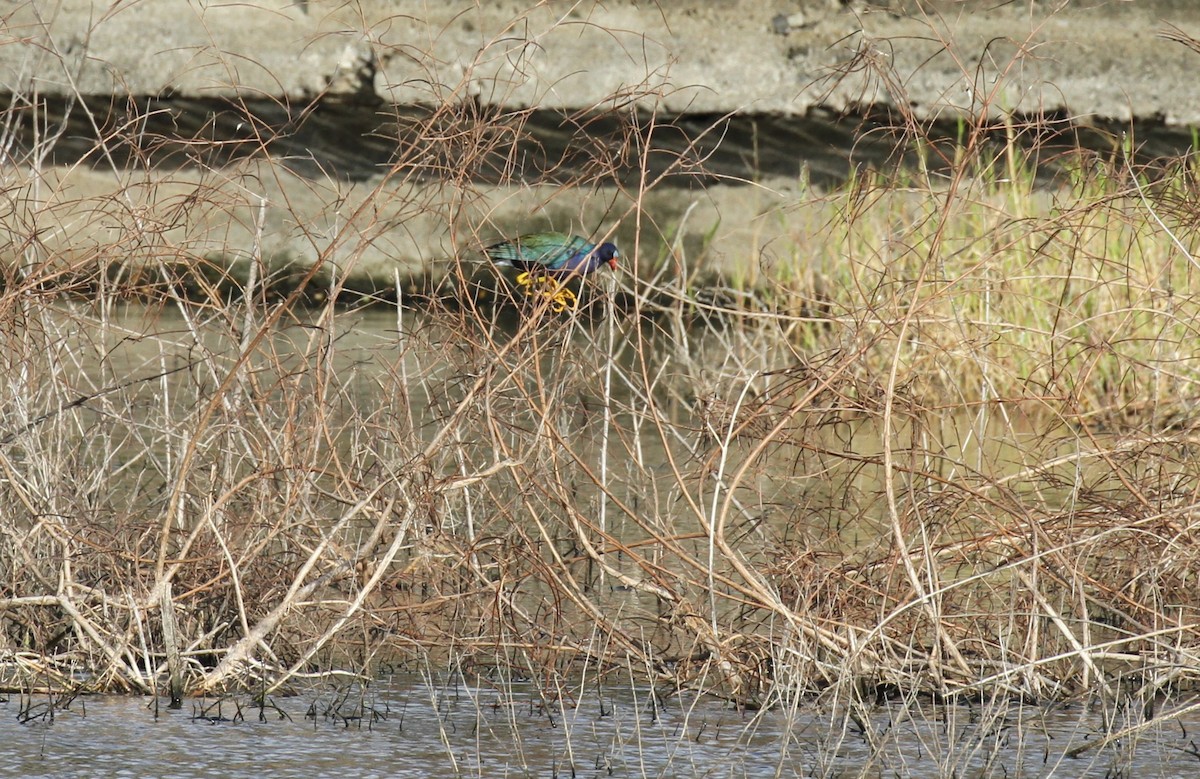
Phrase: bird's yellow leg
[542,286]
[549,289]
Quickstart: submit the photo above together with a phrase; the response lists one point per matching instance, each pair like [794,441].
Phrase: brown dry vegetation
[945,444]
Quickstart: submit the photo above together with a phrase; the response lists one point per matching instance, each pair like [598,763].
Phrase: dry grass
[945,445]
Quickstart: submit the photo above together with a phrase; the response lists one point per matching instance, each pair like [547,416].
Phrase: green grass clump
[1077,295]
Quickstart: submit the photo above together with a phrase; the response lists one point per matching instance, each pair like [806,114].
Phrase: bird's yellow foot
[548,289]
[564,299]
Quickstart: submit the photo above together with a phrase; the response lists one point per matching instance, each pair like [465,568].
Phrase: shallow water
[405,728]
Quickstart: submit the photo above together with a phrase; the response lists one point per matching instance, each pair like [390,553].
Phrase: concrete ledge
[190,130]
[259,48]
[1098,59]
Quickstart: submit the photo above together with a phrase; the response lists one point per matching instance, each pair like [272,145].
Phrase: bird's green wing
[550,250]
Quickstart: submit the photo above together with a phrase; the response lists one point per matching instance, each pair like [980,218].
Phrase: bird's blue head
[605,254]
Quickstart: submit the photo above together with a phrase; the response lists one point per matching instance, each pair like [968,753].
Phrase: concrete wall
[1097,58]
[767,60]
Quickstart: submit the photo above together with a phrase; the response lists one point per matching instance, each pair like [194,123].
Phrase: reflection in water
[404,728]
